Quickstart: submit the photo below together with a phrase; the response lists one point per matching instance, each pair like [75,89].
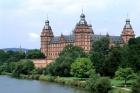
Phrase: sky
[21,21]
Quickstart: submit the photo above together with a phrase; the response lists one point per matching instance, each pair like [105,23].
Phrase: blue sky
[21,21]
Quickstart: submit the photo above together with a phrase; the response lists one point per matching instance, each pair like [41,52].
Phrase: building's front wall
[55,49]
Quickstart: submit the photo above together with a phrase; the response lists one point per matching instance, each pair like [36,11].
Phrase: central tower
[83,34]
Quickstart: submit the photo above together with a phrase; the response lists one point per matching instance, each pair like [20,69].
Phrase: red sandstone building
[82,35]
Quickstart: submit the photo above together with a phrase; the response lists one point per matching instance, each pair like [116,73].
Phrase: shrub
[81,67]
[136,86]
[103,85]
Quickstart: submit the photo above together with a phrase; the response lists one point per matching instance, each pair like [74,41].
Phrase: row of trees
[120,62]
[14,56]
[105,60]
[24,67]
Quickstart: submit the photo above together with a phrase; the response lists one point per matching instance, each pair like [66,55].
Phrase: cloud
[24,19]
[33,37]
[66,6]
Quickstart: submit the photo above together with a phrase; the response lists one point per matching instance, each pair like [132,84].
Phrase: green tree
[136,86]
[112,61]
[98,53]
[125,74]
[91,81]
[34,54]
[18,70]
[3,56]
[27,67]
[134,53]
[81,67]
[103,85]
[62,65]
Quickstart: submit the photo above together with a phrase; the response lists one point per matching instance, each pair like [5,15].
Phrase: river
[12,85]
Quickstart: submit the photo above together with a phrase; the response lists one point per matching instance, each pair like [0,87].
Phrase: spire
[82,19]
[47,25]
[47,22]
[127,24]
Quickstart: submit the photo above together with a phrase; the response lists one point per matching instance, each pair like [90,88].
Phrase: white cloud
[64,6]
[33,37]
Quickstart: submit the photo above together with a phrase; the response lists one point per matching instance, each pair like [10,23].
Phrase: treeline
[96,67]
[120,62]
[18,63]
[105,60]
[14,56]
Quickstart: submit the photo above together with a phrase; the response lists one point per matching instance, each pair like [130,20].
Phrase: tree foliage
[125,74]
[62,65]
[134,53]
[106,60]
[103,85]
[34,54]
[81,67]
[136,86]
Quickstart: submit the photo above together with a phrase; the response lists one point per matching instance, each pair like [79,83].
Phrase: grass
[119,90]
[81,82]
[120,83]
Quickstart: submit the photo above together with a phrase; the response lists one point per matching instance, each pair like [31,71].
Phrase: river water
[12,85]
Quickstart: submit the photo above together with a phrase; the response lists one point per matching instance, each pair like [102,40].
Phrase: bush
[81,67]
[136,86]
[103,85]
[90,83]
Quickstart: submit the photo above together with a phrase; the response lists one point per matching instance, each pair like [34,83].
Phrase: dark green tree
[62,65]
[103,85]
[27,67]
[112,61]
[34,54]
[98,53]
[125,74]
[134,53]
[136,86]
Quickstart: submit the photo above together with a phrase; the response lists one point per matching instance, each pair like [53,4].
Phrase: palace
[82,35]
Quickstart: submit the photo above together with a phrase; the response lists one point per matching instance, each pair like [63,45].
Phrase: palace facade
[82,35]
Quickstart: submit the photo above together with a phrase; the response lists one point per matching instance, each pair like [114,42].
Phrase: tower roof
[127,30]
[82,26]
[127,25]
[47,25]
[47,31]
[82,19]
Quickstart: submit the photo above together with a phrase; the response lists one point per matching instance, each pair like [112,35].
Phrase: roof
[67,38]
[71,38]
[114,39]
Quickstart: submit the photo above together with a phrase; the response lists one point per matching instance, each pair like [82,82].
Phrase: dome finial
[47,21]
[82,19]
[127,19]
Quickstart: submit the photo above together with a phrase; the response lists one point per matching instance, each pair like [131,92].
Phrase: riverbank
[72,81]
[14,85]
[69,81]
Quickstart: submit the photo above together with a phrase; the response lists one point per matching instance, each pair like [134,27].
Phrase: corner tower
[127,32]
[46,36]
[83,34]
